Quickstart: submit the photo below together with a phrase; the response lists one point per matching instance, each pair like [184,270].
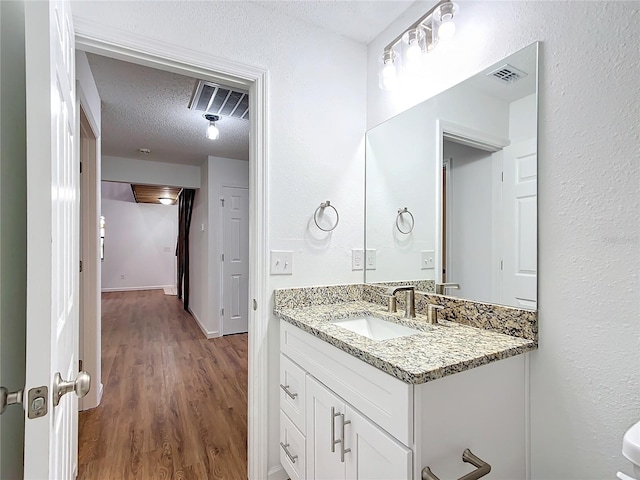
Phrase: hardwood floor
[174,403]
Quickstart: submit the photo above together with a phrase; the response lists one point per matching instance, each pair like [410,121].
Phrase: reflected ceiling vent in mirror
[217,100]
[507,74]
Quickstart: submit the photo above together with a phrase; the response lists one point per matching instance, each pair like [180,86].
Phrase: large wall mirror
[451,189]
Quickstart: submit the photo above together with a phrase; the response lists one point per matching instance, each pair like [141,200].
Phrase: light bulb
[388,76]
[212,131]
[414,52]
[447,28]
[166,201]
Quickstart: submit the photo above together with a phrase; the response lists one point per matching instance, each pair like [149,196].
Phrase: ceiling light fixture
[415,42]
[165,200]
[212,131]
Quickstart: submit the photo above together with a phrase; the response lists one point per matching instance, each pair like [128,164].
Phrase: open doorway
[129,310]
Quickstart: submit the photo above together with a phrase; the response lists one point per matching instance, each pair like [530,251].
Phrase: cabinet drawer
[292,391]
[383,398]
[292,448]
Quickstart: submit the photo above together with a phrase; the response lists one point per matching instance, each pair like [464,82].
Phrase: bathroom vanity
[354,407]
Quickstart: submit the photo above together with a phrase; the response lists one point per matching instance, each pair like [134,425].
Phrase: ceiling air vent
[211,98]
[507,74]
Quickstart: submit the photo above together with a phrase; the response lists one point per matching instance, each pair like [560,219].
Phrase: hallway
[174,403]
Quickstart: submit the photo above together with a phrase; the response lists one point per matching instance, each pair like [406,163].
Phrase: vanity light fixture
[415,42]
[212,131]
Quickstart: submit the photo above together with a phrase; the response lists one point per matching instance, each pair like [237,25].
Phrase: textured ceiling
[360,20]
[148,108]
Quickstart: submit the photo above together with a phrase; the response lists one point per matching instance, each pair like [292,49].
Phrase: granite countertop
[439,350]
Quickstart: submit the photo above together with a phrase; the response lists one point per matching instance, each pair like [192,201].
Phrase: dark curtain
[185,208]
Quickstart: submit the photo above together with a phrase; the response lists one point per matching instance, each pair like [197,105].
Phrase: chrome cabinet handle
[482,468]
[285,447]
[288,392]
[342,449]
[333,429]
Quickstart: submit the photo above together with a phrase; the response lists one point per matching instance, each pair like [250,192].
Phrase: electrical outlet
[428,260]
[281,262]
[370,259]
[357,259]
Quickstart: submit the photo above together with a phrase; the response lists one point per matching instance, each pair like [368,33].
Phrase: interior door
[235,266]
[52,241]
[520,219]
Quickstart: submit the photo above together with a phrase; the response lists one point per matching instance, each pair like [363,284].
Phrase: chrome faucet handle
[442,287]
[432,313]
[392,303]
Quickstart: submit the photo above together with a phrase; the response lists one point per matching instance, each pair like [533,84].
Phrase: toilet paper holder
[482,468]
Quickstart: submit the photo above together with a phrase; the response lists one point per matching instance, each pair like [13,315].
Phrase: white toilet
[631,450]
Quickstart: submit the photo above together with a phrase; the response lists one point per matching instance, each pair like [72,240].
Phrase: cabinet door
[322,463]
[374,455]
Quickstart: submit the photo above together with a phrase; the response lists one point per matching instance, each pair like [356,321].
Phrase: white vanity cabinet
[393,429]
[343,444]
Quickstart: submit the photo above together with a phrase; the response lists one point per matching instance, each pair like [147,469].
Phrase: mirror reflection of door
[470,192]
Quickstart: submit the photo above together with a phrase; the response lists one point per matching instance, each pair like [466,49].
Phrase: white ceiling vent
[507,74]
[211,98]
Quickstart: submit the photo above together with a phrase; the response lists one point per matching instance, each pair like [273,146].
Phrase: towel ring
[400,212]
[322,206]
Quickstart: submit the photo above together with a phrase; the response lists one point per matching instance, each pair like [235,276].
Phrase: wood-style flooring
[174,403]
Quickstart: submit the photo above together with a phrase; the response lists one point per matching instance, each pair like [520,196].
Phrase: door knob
[9,398]
[80,385]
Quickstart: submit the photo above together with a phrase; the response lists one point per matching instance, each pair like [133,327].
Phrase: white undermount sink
[374,328]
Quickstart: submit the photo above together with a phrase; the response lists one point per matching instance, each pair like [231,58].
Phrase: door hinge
[502,177]
[80,272]
[222,202]
[222,312]
[222,257]
[501,265]
[79,365]
[80,167]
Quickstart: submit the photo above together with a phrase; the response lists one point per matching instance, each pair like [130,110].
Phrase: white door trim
[446,129]
[96,38]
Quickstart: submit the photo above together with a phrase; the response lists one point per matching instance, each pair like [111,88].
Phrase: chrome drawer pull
[333,429]
[286,390]
[482,469]
[286,450]
[342,449]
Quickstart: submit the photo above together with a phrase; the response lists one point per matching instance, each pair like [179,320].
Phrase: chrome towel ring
[402,211]
[321,208]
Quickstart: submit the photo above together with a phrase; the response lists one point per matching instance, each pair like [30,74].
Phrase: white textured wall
[199,291]
[134,170]
[585,377]
[140,242]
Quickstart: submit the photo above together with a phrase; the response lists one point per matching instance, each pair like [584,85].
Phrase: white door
[52,240]
[374,454]
[323,427]
[520,216]
[235,264]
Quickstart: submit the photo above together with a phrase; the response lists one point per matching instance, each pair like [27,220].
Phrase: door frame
[447,130]
[96,38]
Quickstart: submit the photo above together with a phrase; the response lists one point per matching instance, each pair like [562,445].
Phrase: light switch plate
[428,260]
[281,262]
[357,259]
[370,259]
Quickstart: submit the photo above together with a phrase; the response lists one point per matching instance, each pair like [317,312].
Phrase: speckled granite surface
[436,351]
[421,285]
[497,318]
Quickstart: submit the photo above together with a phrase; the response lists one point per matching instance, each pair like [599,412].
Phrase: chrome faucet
[410,302]
[441,288]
